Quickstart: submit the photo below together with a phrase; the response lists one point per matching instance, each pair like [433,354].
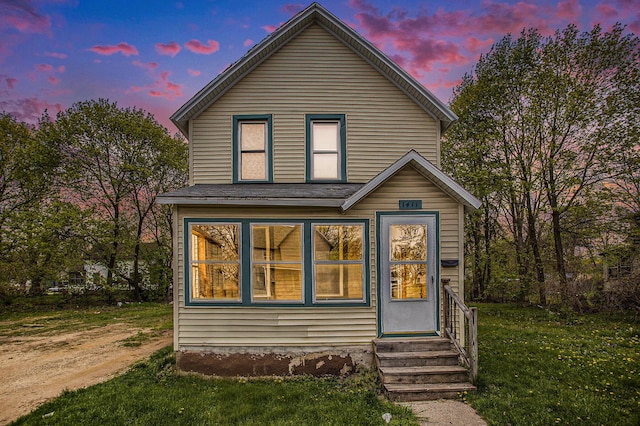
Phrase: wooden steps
[420,369]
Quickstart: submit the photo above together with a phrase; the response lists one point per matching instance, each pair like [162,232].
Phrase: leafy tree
[118,160]
[553,121]
[28,167]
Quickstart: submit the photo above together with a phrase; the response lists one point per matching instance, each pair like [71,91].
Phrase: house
[316,219]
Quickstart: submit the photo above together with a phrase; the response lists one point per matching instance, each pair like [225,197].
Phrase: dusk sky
[155,55]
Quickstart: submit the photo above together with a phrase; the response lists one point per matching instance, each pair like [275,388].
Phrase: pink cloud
[248,42]
[44,67]
[146,65]
[160,88]
[475,45]
[632,11]
[61,69]
[11,82]
[193,73]
[569,9]
[53,80]
[292,9]
[269,28]
[503,18]
[56,55]
[606,11]
[420,39]
[23,16]
[29,109]
[169,49]
[200,48]
[125,48]
[363,6]
[427,52]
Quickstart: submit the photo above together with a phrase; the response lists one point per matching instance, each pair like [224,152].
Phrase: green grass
[155,316]
[151,393]
[541,368]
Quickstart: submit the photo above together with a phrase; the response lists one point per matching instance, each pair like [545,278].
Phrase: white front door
[408,276]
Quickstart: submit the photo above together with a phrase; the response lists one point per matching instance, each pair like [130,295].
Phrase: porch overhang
[265,195]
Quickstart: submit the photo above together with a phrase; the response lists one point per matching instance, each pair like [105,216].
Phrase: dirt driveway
[35,369]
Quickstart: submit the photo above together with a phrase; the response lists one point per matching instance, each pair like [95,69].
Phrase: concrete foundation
[274,362]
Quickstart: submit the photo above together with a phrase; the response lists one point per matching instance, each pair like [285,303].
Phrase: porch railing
[461,326]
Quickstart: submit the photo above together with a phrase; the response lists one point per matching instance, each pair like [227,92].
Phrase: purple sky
[156,55]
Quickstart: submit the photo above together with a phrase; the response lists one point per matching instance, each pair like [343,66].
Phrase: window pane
[252,136]
[408,281]
[277,243]
[338,281]
[215,242]
[408,242]
[325,136]
[325,166]
[215,281]
[338,242]
[280,281]
[254,166]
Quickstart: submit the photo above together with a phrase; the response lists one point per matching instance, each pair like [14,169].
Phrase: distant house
[317,218]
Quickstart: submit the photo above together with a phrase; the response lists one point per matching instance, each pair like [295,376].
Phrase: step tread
[417,354]
[412,340]
[424,369]
[429,387]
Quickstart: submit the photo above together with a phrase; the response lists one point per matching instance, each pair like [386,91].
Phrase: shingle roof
[315,13]
[263,194]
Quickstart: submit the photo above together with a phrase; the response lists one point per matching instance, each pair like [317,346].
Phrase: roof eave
[275,202]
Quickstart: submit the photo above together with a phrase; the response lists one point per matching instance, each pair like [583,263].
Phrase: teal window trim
[252,262]
[245,263]
[189,300]
[342,154]
[379,260]
[363,262]
[262,118]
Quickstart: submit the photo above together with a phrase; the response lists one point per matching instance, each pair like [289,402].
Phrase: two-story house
[316,219]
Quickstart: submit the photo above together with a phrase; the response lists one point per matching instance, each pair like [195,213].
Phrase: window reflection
[408,261]
[215,265]
[277,262]
[338,262]
[408,242]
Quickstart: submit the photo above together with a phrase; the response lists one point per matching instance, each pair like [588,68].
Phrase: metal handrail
[467,344]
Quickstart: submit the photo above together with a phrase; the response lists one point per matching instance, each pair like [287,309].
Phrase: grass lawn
[151,393]
[536,368]
[156,316]
[541,368]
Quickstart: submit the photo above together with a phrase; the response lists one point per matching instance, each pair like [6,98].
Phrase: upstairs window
[252,148]
[326,156]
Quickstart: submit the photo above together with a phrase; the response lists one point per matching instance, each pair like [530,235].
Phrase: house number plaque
[410,204]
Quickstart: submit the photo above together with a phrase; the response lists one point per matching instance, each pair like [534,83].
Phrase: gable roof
[317,14]
[427,169]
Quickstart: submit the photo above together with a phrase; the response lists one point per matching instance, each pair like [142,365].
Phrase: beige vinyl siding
[314,74]
[199,326]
